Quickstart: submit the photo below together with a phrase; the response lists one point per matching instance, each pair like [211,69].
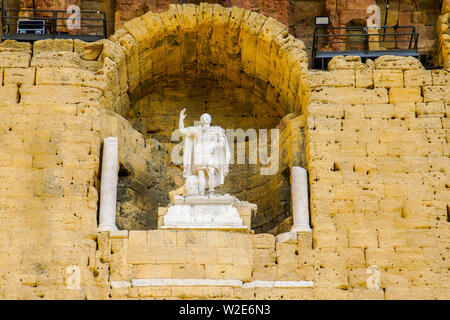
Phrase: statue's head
[205,119]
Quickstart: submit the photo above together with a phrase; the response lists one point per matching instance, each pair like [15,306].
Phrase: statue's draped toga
[206,153]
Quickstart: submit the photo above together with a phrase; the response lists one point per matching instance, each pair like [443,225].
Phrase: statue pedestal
[212,212]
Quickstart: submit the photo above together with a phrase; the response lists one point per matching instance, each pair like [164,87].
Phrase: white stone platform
[211,212]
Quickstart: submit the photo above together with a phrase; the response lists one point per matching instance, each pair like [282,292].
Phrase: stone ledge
[185,283]
[120,284]
[213,228]
[279,284]
[210,283]
[118,234]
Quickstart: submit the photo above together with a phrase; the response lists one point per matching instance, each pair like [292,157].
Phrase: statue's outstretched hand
[183,114]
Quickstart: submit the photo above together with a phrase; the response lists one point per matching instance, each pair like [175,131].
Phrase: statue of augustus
[206,153]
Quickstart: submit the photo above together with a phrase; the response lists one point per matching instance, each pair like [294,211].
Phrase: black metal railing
[92,25]
[366,42]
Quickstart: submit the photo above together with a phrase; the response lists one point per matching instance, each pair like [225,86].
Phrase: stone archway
[240,66]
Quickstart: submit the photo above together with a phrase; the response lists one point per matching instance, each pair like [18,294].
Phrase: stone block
[188,271]
[388,78]
[418,78]
[163,238]
[226,255]
[70,76]
[88,50]
[405,95]
[177,255]
[137,238]
[49,45]
[263,241]
[56,59]
[405,110]
[60,94]
[219,239]
[143,255]
[201,255]
[436,93]
[364,77]
[345,62]
[19,75]
[362,239]
[15,46]
[191,238]
[430,110]
[440,77]
[379,111]
[391,238]
[153,271]
[349,96]
[263,257]
[9,94]
[219,271]
[14,59]
[287,253]
[397,63]
[335,78]
[381,257]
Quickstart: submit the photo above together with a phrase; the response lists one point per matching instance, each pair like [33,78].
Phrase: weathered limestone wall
[160,264]
[376,136]
[49,165]
[378,160]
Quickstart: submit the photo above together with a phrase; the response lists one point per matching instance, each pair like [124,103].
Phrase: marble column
[300,200]
[108,187]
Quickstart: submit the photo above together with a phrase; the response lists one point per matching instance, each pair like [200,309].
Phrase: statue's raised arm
[181,121]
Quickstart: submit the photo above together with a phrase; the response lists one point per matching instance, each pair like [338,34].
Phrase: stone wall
[49,165]
[378,159]
[376,141]
[162,264]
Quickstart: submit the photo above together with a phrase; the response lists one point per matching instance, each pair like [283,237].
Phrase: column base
[301,228]
[106,227]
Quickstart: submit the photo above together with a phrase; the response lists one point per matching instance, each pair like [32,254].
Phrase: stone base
[301,228]
[106,227]
[212,212]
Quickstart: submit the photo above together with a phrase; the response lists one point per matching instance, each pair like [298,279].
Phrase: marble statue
[206,155]
[206,161]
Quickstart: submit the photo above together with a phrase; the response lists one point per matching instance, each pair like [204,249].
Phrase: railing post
[366,41]
[54,24]
[314,47]
[105,29]
[411,39]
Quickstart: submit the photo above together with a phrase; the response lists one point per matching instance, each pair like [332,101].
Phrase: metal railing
[366,42]
[92,25]
[223,1]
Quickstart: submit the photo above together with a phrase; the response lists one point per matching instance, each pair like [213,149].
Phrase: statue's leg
[211,172]
[201,182]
